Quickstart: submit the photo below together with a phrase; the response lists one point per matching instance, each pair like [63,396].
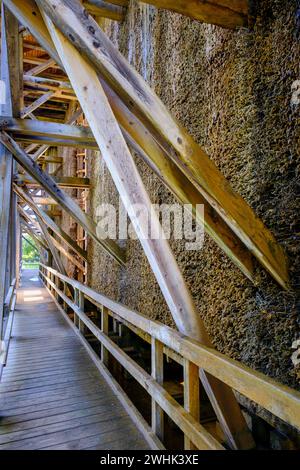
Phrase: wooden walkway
[51,395]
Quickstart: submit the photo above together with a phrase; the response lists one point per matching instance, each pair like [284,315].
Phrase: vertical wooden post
[81,306]
[48,277]
[76,301]
[10,58]
[104,329]
[18,248]
[157,365]
[53,280]
[191,396]
[65,290]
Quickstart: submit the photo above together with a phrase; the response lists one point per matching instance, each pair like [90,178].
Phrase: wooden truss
[123,114]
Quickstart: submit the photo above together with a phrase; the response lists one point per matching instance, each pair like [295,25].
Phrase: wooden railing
[9,309]
[278,399]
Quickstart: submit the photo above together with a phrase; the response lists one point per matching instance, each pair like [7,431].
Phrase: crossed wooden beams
[167,148]
[121,109]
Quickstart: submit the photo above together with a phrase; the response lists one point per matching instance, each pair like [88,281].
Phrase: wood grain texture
[71,19]
[229,14]
[51,394]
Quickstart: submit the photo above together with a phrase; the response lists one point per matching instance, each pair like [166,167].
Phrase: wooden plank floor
[51,394]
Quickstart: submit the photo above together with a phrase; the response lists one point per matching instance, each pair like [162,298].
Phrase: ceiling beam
[72,182]
[104,9]
[230,14]
[29,16]
[41,131]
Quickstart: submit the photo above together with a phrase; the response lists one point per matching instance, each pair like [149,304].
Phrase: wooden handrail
[279,399]
[10,294]
[9,305]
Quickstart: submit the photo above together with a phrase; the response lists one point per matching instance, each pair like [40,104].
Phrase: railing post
[51,279]
[157,365]
[191,396]
[104,329]
[81,306]
[56,282]
[65,291]
[76,301]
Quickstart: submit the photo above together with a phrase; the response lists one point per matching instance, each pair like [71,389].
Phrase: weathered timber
[68,255]
[105,10]
[44,148]
[36,104]
[72,20]
[44,201]
[172,176]
[31,128]
[282,401]
[74,182]
[29,16]
[63,199]
[131,189]
[226,13]
[46,82]
[50,223]
[142,142]
[42,67]
[10,75]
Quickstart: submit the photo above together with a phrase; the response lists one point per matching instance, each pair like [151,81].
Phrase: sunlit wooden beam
[230,14]
[104,9]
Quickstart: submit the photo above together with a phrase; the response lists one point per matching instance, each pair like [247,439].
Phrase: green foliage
[30,253]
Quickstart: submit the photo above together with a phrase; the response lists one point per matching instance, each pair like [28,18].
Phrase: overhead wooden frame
[171,143]
[65,201]
[104,9]
[117,72]
[26,129]
[49,222]
[72,20]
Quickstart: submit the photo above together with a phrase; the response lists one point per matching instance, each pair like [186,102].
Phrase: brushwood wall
[233,91]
